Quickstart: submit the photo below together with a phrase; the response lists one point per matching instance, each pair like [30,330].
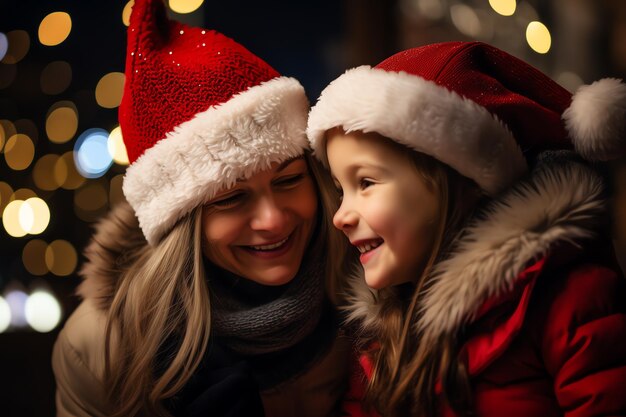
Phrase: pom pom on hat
[596,120]
[199,112]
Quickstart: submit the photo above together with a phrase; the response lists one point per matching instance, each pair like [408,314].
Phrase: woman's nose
[268,215]
[345,218]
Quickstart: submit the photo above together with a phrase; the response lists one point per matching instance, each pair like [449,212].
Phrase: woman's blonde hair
[159,320]
[405,372]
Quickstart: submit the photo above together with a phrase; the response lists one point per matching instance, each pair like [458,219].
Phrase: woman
[209,289]
[484,237]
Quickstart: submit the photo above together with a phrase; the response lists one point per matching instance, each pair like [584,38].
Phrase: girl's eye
[289,180]
[365,183]
[229,201]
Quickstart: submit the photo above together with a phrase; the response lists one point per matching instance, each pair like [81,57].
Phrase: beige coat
[78,355]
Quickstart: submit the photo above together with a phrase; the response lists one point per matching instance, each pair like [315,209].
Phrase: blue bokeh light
[4,45]
[91,154]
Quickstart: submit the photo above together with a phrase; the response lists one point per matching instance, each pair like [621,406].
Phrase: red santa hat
[199,111]
[474,107]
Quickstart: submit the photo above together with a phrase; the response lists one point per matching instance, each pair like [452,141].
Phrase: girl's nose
[345,218]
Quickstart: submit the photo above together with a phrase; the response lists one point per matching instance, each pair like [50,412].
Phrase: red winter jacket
[541,300]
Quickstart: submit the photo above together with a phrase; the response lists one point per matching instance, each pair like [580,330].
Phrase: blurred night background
[61,156]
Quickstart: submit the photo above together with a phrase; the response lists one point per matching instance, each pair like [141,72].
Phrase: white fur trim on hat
[596,120]
[246,134]
[423,116]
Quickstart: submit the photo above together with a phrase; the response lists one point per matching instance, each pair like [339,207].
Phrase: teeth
[369,246]
[270,247]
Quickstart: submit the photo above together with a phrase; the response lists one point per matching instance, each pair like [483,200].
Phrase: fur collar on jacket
[558,203]
[116,236]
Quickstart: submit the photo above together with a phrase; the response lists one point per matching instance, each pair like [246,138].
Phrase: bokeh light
[465,20]
[19,44]
[16,299]
[90,201]
[6,193]
[23,194]
[116,193]
[430,9]
[19,152]
[62,122]
[503,7]
[34,215]
[7,129]
[116,147]
[4,45]
[3,137]
[55,28]
[55,77]
[92,153]
[61,258]
[5,315]
[110,89]
[66,174]
[126,12]
[8,73]
[43,173]
[185,6]
[34,257]
[570,81]
[42,311]
[538,37]
[11,219]
[29,128]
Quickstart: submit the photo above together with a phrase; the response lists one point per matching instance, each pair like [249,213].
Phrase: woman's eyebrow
[280,167]
[286,163]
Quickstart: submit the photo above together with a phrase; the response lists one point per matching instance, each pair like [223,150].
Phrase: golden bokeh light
[91,197]
[62,123]
[61,258]
[6,195]
[55,77]
[55,28]
[538,37]
[109,90]
[116,147]
[34,257]
[23,194]
[465,19]
[2,137]
[36,215]
[44,175]
[66,174]
[116,194]
[7,129]
[126,12]
[185,6]
[27,127]
[11,219]
[91,201]
[19,44]
[8,72]
[503,7]
[19,152]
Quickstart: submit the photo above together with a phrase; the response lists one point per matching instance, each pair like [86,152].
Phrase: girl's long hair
[405,372]
[159,320]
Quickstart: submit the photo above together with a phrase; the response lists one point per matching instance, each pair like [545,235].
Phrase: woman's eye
[289,180]
[364,183]
[229,201]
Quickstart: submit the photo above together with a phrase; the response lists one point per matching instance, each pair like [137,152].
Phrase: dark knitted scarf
[254,319]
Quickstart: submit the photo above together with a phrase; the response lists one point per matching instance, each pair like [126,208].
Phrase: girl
[205,295]
[492,284]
